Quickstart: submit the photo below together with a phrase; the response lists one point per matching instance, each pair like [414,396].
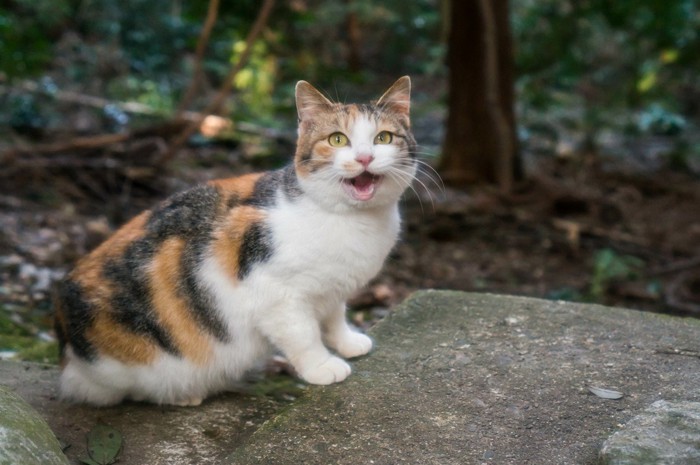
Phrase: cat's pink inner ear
[398,97]
[309,100]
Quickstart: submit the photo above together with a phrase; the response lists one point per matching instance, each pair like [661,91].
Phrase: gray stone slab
[666,433]
[152,435]
[461,378]
[25,438]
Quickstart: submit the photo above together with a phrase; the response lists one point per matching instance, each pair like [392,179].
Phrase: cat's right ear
[309,100]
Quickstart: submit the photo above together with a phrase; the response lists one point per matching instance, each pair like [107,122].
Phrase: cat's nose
[364,159]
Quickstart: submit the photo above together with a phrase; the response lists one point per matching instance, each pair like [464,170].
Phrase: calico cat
[189,295]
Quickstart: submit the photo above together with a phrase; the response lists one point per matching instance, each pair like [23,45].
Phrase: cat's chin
[362,187]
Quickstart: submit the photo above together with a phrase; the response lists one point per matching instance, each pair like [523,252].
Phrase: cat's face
[355,155]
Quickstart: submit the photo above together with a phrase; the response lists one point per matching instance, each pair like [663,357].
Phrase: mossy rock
[24,436]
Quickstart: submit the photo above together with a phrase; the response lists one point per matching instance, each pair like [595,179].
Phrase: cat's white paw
[353,345]
[333,370]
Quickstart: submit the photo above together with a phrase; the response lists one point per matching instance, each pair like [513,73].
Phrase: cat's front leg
[298,336]
[341,337]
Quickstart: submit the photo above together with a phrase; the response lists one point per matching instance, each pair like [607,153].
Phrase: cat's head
[355,155]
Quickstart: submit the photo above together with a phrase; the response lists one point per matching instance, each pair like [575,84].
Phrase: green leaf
[89,462]
[103,444]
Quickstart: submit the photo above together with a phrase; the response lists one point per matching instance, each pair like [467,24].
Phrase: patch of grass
[19,339]
[40,352]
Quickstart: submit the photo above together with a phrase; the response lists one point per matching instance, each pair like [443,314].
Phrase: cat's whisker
[434,179]
[430,178]
[407,179]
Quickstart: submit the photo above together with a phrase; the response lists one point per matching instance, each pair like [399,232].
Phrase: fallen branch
[83,99]
[574,230]
[675,267]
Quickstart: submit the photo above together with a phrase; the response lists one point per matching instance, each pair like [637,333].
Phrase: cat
[190,295]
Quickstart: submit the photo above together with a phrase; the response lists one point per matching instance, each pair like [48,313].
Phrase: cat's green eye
[338,139]
[384,137]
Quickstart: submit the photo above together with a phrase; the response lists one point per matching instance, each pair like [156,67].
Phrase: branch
[212,13]
[215,106]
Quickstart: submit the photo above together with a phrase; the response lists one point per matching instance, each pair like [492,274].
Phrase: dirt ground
[575,230]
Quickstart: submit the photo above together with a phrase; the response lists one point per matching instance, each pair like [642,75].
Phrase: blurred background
[561,138]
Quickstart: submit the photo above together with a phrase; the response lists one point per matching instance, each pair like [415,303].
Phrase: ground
[576,229]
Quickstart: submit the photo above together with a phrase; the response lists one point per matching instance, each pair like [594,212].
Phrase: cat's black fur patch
[266,187]
[191,215]
[187,214]
[78,316]
[131,299]
[256,247]
[200,299]
[290,183]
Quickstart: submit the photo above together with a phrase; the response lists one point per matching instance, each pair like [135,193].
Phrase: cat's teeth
[362,187]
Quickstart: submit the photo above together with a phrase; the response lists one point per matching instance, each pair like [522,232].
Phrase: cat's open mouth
[363,186]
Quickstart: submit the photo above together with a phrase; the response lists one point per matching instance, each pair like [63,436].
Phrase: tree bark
[354,39]
[480,143]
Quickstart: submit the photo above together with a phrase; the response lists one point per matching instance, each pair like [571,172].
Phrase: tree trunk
[480,142]
[354,39]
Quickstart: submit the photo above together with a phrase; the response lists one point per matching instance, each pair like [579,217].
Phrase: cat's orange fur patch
[109,337]
[171,309]
[88,272]
[115,341]
[353,112]
[228,239]
[242,187]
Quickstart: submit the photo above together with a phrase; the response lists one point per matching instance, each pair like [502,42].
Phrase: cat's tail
[60,325]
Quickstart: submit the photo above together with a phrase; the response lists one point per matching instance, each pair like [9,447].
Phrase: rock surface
[470,378]
[455,378]
[25,438]
[666,433]
[152,435]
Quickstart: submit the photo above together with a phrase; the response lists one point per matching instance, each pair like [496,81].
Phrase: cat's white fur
[326,246]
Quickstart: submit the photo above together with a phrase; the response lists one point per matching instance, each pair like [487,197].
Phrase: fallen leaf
[605,393]
[103,444]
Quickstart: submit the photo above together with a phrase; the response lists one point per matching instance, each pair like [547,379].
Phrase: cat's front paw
[333,370]
[353,345]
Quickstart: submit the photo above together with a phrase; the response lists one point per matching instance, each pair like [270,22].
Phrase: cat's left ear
[309,100]
[398,97]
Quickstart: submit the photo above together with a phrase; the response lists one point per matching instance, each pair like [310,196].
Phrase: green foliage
[603,56]
[656,119]
[627,49]
[20,338]
[27,30]
[608,266]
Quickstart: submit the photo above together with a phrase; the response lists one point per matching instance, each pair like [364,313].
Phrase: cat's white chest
[331,251]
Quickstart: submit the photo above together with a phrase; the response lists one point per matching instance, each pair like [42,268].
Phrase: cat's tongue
[361,187]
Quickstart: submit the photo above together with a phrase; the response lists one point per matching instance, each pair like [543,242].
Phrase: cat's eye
[338,139]
[384,137]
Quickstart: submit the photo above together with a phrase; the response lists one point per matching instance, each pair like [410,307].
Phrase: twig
[675,267]
[212,14]
[674,299]
[215,106]
[674,351]
[576,229]
[88,142]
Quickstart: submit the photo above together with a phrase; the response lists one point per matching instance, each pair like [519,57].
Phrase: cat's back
[126,289]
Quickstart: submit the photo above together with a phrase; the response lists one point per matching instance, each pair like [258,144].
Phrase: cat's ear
[398,97]
[309,100]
